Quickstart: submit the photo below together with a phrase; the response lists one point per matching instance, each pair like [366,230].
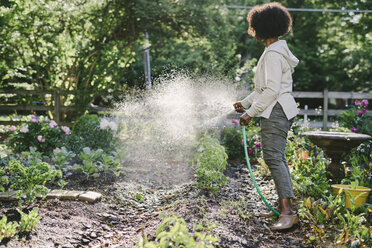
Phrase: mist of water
[163,124]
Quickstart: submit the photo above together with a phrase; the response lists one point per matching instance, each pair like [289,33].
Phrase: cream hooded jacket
[273,82]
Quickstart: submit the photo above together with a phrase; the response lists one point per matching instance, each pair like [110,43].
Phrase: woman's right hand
[238,107]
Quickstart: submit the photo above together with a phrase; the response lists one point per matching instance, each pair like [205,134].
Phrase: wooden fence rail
[57,108]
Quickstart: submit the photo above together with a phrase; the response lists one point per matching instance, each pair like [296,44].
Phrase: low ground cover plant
[173,232]
[26,224]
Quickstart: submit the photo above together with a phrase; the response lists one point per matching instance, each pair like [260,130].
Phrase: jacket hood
[281,47]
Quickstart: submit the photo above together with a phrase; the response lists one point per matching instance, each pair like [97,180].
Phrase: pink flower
[34,120]
[250,150]
[33,116]
[364,103]
[353,129]
[24,129]
[53,124]
[242,142]
[40,139]
[258,145]
[257,124]
[361,112]
[57,150]
[12,128]
[238,131]
[356,103]
[235,121]
[66,130]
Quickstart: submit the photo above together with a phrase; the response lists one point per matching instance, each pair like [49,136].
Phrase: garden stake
[251,173]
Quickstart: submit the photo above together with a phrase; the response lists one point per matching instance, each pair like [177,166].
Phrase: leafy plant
[29,221]
[173,232]
[319,213]
[31,180]
[7,229]
[96,161]
[210,162]
[61,157]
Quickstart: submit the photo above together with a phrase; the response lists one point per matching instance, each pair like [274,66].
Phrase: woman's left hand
[244,119]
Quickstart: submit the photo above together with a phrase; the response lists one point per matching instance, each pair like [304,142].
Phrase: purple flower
[242,142]
[356,103]
[258,145]
[361,112]
[238,131]
[34,120]
[66,130]
[250,150]
[235,121]
[24,129]
[353,129]
[53,124]
[12,128]
[364,103]
[257,124]
[40,139]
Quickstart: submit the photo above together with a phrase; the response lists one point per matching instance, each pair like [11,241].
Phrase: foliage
[7,229]
[96,161]
[320,214]
[3,179]
[29,221]
[302,155]
[210,161]
[173,232]
[90,131]
[233,142]
[39,133]
[356,119]
[26,224]
[30,179]
[61,158]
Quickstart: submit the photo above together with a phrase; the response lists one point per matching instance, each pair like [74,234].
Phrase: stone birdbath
[334,144]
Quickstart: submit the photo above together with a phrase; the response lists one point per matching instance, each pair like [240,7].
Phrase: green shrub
[90,131]
[356,119]
[30,180]
[210,162]
[3,180]
[173,232]
[42,134]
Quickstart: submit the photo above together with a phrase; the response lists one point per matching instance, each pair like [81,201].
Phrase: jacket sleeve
[246,102]
[273,78]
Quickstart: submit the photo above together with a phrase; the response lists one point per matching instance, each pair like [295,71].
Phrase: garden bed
[128,210]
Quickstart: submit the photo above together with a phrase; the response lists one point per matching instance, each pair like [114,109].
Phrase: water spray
[251,173]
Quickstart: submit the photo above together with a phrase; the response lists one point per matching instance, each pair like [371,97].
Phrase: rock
[93,235]
[85,241]
[90,196]
[67,246]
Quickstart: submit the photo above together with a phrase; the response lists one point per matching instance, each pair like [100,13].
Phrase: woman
[272,99]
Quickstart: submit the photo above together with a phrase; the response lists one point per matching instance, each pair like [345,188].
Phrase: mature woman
[272,99]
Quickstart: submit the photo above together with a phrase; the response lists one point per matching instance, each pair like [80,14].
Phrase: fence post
[325,108]
[57,104]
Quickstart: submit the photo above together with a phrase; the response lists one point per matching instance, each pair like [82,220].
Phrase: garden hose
[251,173]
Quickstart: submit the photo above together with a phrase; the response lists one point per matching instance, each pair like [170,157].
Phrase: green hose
[251,173]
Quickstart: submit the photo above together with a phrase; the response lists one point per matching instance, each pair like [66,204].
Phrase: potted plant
[352,191]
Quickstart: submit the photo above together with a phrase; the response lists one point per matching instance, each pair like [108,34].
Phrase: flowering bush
[233,142]
[37,132]
[356,119]
[90,131]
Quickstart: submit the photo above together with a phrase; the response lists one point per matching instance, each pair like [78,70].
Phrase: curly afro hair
[271,20]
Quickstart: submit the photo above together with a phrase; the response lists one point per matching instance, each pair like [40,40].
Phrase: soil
[134,204]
